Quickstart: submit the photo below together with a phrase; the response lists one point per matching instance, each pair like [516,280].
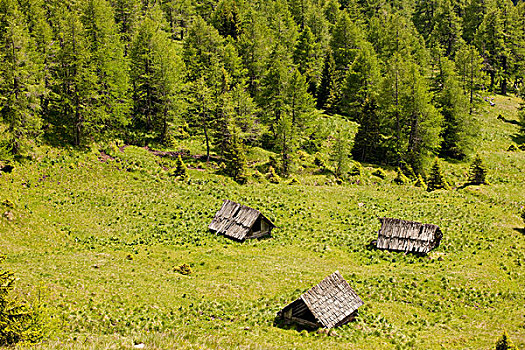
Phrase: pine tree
[307,58]
[469,65]
[156,76]
[505,343]
[458,130]
[477,172]
[254,48]
[21,80]
[19,322]
[235,157]
[111,69]
[178,14]
[340,154]
[328,83]
[180,171]
[447,29]
[226,18]
[73,81]
[489,39]
[436,180]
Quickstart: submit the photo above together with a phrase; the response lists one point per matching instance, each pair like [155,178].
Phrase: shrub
[400,178]
[420,182]
[522,214]
[258,176]
[294,181]
[272,176]
[478,172]
[512,148]
[504,343]
[19,321]
[183,269]
[180,171]
[356,170]
[380,173]
[436,180]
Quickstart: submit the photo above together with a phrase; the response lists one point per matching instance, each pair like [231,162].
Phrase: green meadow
[98,239]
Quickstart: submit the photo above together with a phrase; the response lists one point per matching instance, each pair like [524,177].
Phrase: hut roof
[332,300]
[409,236]
[235,220]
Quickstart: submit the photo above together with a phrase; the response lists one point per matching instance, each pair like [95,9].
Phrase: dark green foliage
[380,173]
[420,182]
[400,178]
[477,172]
[18,320]
[356,170]
[436,180]
[183,269]
[235,158]
[272,176]
[522,214]
[21,81]
[180,171]
[512,148]
[505,343]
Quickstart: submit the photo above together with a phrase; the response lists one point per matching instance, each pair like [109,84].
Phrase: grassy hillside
[104,234]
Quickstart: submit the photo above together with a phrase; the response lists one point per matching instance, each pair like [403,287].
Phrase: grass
[104,238]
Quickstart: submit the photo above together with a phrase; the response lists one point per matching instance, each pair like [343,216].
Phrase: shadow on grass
[520,230]
[510,121]
[280,323]
[519,138]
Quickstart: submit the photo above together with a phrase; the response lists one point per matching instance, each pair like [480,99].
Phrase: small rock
[322,331]
[95,266]
[440,258]
[139,346]
[9,215]
[333,333]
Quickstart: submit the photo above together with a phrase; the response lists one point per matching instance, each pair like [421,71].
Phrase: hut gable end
[408,236]
[236,221]
[331,303]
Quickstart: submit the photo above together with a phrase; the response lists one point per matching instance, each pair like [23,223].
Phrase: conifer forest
[124,124]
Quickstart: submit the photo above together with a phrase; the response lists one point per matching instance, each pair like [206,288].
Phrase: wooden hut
[329,304]
[408,236]
[240,222]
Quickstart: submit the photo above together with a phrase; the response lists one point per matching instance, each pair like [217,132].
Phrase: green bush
[436,180]
[512,148]
[504,343]
[356,170]
[272,176]
[478,172]
[522,214]
[400,178]
[380,173]
[183,269]
[258,176]
[180,171]
[294,181]
[420,182]
[19,321]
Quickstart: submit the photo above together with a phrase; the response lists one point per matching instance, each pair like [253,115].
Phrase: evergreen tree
[21,84]
[254,48]
[111,69]
[73,81]
[436,180]
[235,157]
[505,343]
[307,58]
[18,321]
[447,29]
[489,39]
[226,18]
[156,75]
[180,171]
[458,130]
[178,14]
[340,154]
[469,65]
[478,172]
[327,86]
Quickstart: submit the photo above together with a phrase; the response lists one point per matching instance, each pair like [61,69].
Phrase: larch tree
[21,83]
[156,76]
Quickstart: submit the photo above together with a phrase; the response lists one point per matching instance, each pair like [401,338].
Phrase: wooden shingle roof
[332,300]
[408,236]
[235,220]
